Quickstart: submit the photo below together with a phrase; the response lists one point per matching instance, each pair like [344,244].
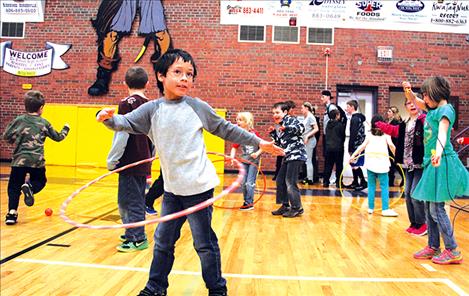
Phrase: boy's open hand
[104,114]
[271,148]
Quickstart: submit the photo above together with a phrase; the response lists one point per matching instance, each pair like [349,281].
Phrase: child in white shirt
[377,164]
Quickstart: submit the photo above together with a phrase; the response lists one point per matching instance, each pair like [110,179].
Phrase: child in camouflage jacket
[28,132]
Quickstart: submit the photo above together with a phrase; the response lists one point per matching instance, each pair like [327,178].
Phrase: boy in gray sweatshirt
[175,124]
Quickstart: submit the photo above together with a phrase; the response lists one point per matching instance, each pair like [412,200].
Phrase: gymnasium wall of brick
[232,75]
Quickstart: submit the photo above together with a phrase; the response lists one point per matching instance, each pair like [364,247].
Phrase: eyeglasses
[180,74]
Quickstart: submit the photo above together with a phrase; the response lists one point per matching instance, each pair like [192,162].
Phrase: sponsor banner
[32,64]
[243,12]
[405,15]
[23,11]
[332,13]
[410,12]
[453,13]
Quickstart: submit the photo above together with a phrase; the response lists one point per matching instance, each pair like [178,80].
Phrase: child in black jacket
[335,139]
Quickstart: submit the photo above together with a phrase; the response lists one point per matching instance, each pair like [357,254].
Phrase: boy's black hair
[282,105]
[290,104]
[333,114]
[375,131]
[33,101]
[437,88]
[136,78]
[326,93]
[167,59]
[353,103]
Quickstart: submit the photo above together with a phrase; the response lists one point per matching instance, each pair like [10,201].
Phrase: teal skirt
[444,183]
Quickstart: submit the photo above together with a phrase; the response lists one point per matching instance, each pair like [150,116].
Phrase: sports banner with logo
[404,15]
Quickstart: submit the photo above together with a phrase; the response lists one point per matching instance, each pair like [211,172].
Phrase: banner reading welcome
[36,63]
[404,15]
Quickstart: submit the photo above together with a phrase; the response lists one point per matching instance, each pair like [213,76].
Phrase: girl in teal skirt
[444,176]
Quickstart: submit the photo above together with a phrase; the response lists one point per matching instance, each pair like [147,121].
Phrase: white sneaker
[389,213]
[370,211]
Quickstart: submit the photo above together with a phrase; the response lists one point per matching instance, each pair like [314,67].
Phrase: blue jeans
[438,222]
[205,241]
[131,200]
[383,183]
[415,208]
[249,183]
[288,192]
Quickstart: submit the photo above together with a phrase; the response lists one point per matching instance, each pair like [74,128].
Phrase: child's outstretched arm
[271,148]
[359,150]
[410,95]
[55,135]
[392,130]
[104,114]
[441,141]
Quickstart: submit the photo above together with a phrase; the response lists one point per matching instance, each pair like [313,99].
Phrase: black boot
[363,183]
[355,181]
[101,85]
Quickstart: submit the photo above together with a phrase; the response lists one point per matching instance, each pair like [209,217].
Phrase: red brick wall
[232,75]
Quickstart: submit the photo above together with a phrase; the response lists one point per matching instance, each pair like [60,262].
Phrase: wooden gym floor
[335,248]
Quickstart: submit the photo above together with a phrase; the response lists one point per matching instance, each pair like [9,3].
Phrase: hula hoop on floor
[165,218]
[380,154]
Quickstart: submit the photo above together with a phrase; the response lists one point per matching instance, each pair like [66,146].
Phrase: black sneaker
[362,186]
[147,292]
[351,186]
[246,207]
[11,218]
[283,209]
[28,194]
[292,213]
[218,292]
[307,182]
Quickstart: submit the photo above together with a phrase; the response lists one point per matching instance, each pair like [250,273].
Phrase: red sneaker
[422,230]
[448,257]
[427,253]
[410,229]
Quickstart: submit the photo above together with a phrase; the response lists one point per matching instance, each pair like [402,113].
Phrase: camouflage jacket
[290,138]
[28,133]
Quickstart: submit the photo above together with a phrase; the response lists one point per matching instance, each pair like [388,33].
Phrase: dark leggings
[37,180]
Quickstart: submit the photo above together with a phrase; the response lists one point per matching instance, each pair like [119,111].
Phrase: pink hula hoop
[169,217]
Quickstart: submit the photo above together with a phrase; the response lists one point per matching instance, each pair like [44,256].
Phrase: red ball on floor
[48,212]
